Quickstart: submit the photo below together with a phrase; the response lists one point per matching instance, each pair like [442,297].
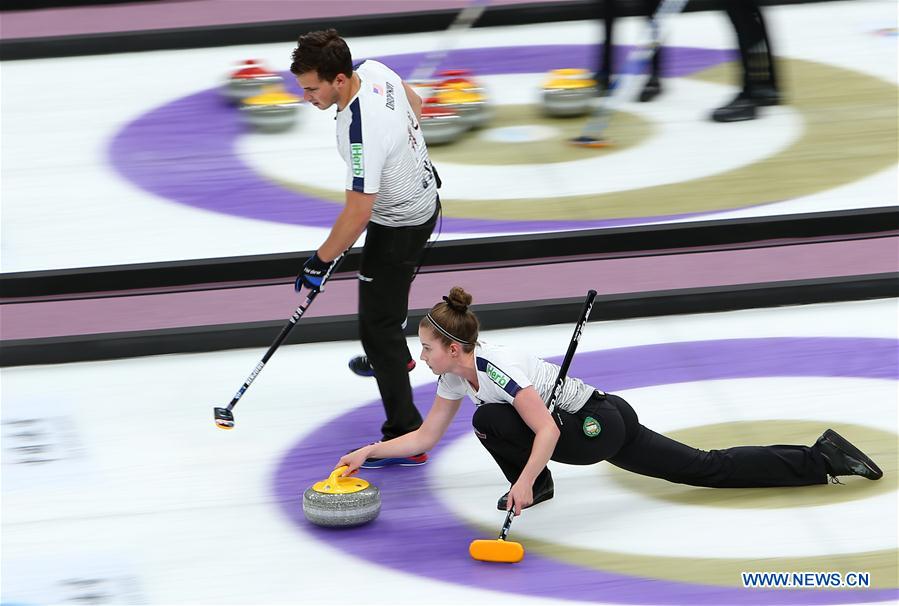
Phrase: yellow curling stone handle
[338,485]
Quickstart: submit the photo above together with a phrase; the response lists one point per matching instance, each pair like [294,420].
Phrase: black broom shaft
[504,532]
[273,348]
[560,380]
[572,346]
[291,322]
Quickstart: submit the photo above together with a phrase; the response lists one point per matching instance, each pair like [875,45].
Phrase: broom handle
[569,355]
[504,531]
[560,381]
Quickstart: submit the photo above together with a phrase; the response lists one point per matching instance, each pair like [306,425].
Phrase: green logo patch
[497,376]
[356,155]
[591,427]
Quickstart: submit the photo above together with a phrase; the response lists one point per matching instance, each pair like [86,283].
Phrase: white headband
[444,331]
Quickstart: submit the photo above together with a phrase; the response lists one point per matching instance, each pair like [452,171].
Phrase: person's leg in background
[608,11]
[653,86]
[759,83]
[605,11]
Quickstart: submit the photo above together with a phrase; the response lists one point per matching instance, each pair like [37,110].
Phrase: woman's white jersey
[503,372]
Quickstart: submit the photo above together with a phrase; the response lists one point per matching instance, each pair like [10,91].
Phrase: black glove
[313,274]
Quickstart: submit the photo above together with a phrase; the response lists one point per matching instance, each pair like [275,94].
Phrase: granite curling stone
[568,92]
[249,80]
[440,124]
[273,111]
[341,502]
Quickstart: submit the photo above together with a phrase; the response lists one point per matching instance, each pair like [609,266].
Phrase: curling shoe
[413,461]
[843,459]
[743,107]
[651,90]
[545,493]
[361,366]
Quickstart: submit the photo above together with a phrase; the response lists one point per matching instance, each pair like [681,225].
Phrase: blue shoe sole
[361,373]
[400,462]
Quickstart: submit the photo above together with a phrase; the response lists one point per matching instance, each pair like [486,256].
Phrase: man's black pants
[390,259]
[755,47]
[625,443]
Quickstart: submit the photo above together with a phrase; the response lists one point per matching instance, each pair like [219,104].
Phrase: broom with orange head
[501,550]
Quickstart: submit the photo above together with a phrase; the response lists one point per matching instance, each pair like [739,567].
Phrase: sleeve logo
[497,376]
[356,156]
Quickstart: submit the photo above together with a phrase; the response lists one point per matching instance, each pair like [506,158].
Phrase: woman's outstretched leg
[651,454]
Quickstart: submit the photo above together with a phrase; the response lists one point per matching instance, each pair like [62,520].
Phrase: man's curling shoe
[545,493]
[362,366]
[844,459]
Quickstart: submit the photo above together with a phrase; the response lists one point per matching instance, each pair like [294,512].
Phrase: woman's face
[434,353]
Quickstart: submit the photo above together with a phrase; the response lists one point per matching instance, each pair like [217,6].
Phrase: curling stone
[341,502]
[466,98]
[440,124]
[273,111]
[249,80]
[568,92]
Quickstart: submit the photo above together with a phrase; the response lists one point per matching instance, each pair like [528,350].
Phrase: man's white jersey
[502,373]
[379,138]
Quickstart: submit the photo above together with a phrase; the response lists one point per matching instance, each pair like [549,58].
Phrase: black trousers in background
[755,47]
[390,259]
[607,10]
[625,443]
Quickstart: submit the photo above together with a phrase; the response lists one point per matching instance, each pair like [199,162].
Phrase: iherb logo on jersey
[497,376]
[356,154]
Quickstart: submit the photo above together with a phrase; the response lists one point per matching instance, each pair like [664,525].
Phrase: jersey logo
[497,376]
[390,100]
[356,155]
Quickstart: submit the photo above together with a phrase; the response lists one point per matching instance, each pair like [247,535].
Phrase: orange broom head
[496,550]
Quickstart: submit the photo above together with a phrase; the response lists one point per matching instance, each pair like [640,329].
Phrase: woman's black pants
[625,443]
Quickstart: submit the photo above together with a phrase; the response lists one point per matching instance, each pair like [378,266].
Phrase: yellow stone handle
[338,485]
[335,478]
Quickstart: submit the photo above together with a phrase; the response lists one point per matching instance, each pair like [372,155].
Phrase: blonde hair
[451,320]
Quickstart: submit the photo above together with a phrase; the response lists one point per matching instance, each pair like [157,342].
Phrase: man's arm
[414,101]
[349,225]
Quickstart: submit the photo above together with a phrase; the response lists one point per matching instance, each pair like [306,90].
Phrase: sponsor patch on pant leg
[591,427]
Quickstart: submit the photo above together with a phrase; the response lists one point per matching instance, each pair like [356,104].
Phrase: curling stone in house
[249,80]
[466,98]
[440,124]
[341,502]
[275,110]
[568,92]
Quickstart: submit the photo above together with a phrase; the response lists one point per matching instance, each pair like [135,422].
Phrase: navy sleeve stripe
[356,137]
[499,377]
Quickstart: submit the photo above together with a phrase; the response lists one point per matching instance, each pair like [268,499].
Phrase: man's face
[321,93]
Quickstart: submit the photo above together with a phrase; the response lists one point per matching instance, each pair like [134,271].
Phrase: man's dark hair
[324,52]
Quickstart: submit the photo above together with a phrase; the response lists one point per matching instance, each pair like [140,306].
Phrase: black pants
[390,258]
[625,443]
[607,10]
[755,48]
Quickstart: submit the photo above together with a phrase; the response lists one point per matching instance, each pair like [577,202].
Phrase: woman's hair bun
[458,300]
